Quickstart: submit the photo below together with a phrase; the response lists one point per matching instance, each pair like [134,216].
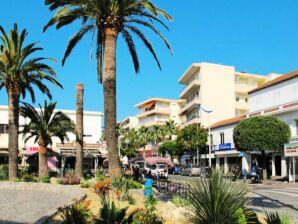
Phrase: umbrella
[155,160]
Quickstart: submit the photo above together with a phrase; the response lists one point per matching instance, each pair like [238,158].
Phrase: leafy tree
[191,138]
[19,74]
[170,147]
[106,20]
[261,133]
[43,126]
[130,143]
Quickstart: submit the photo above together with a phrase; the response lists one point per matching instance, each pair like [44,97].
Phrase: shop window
[222,138]
[3,128]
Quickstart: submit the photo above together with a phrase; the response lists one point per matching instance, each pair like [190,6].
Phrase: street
[267,197]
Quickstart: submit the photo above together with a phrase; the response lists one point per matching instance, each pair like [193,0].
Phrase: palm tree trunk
[79,130]
[13,141]
[42,161]
[110,113]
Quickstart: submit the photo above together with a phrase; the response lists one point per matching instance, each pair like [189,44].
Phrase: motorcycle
[256,176]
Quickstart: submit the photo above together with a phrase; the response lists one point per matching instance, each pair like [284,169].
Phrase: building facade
[60,155]
[218,88]
[156,111]
[279,98]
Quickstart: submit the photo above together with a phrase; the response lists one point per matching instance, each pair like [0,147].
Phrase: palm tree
[44,125]
[158,134]
[19,75]
[79,130]
[106,20]
[170,128]
[144,137]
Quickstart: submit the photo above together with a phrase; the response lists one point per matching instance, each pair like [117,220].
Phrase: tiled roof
[228,121]
[280,79]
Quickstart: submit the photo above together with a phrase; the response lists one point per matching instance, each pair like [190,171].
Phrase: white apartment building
[156,111]
[60,155]
[130,122]
[279,98]
[216,88]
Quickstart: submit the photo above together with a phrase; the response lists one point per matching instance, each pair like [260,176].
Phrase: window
[3,128]
[296,122]
[246,100]
[222,138]
[237,98]
[211,139]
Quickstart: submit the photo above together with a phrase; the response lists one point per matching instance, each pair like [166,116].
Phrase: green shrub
[100,178]
[70,178]
[85,183]
[179,202]
[110,214]
[136,185]
[45,180]
[77,213]
[217,200]
[25,176]
[147,215]
[276,218]
[122,184]
[3,172]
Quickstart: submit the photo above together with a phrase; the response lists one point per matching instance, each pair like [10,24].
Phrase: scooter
[256,176]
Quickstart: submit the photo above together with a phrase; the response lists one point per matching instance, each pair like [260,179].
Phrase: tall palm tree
[106,20]
[44,125]
[145,136]
[79,130]
[19,75]
[158,134]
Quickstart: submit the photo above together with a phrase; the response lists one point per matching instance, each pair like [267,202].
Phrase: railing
[170,187]
[190,81]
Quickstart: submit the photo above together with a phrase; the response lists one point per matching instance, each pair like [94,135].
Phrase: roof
[276,81]
[228,121]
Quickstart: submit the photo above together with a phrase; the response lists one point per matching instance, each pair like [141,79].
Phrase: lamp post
[209,137]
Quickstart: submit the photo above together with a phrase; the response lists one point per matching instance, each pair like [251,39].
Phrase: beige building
[156,111]
[216,88]
[129,122]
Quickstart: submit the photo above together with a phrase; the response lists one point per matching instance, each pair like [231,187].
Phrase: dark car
[176,170]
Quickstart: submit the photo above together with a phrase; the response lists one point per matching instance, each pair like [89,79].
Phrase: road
[268,197]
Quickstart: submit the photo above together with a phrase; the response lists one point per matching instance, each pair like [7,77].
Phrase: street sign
[226,146]
[291,149]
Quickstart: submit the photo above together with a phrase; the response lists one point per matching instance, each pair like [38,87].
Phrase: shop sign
[291,149]
[30,150]
[226,146]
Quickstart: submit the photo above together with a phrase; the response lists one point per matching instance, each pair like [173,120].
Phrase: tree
[192,138]
[170,128]
[18,75]
[79,130]
[130,143]
[261,133]
[43,126]
[170,147]
[106,20]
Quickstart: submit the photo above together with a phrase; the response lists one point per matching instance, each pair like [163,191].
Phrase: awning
[150,104]
[162,160]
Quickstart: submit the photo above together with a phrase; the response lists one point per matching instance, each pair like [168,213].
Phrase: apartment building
[279,98]
[216,88]
[60,156]
[156,111]
[129,122]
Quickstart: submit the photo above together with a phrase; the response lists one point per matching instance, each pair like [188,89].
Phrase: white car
[158,170]
[191,170]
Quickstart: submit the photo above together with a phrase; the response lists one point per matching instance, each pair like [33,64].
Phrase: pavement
[34,202]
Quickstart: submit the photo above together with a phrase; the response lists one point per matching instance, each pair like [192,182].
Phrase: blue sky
[256,36]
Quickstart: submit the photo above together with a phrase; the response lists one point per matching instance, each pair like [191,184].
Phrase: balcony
[145,113]
[195,120]
[195,102]
[151,123]
[190,88]
[241,105]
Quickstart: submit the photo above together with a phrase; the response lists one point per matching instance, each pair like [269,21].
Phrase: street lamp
[209,138]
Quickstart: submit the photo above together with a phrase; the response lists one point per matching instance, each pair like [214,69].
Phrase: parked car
[176,170]
[191,170]
[157,170]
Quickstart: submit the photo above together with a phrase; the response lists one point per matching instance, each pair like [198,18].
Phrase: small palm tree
[44,125]
[218,201]
[106,20]
[18,75]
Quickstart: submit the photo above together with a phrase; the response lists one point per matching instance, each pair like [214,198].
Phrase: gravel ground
[33,202]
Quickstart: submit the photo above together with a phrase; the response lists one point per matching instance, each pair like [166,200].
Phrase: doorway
[277,165]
